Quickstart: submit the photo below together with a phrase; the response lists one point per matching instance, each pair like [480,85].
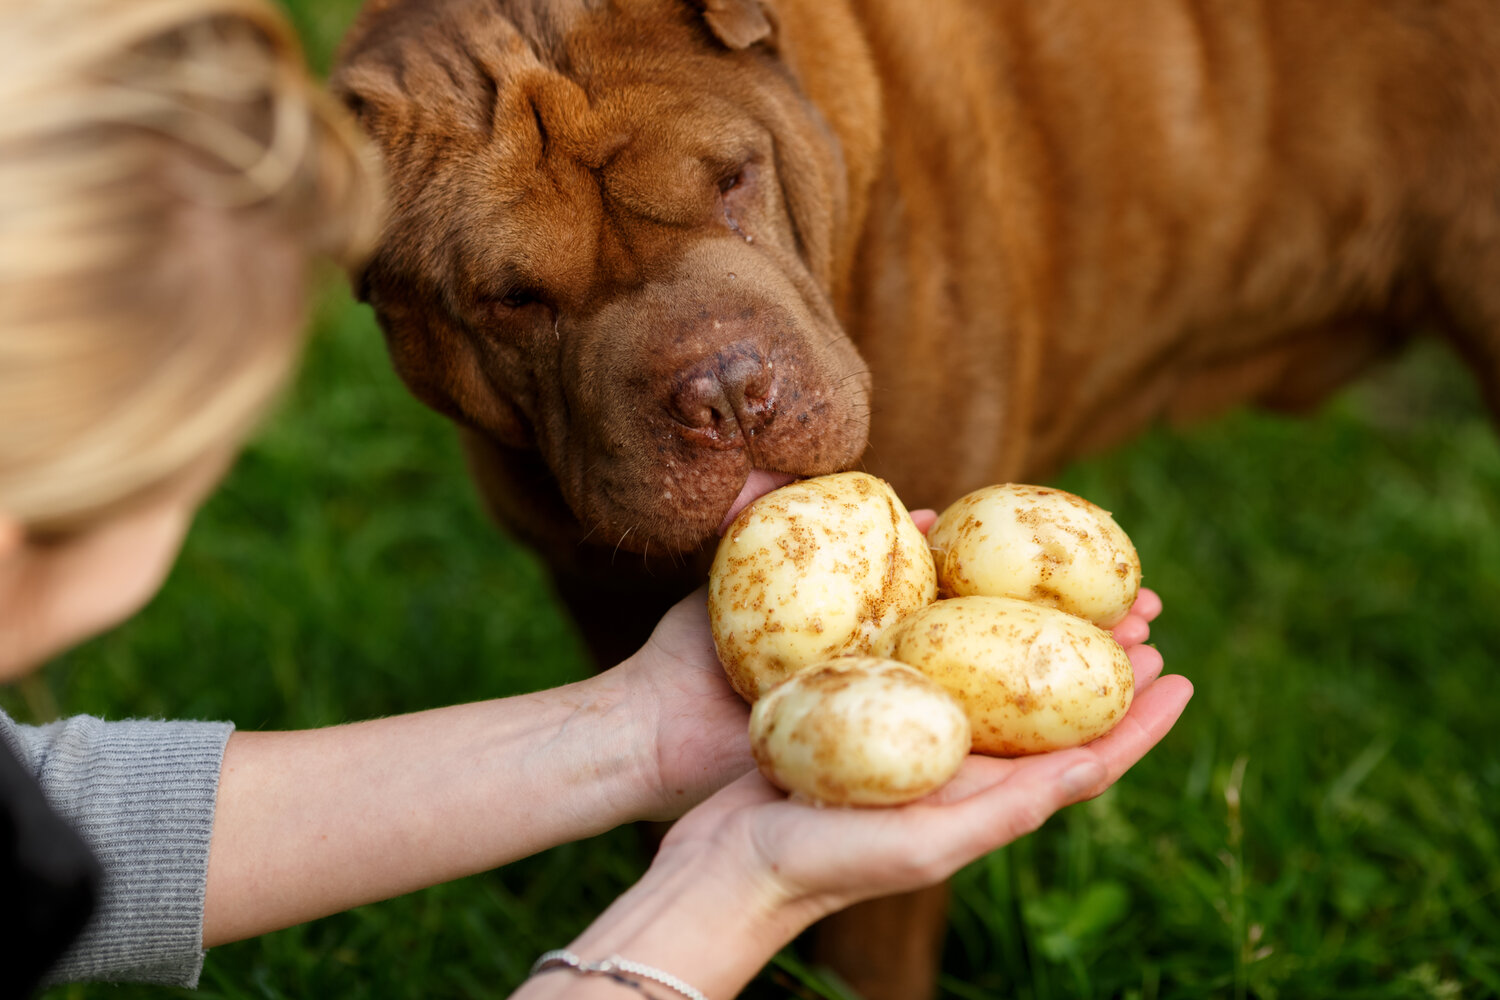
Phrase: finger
[924,519]
[1015,802]
[1147,662]
[1151,716]
[683,632]
[694,605]
[977,774]
[1147,604]
[1132,630]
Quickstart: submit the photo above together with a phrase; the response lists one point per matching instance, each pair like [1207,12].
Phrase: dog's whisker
[619,543]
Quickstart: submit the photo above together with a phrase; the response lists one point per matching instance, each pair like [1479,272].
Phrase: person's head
[167,170]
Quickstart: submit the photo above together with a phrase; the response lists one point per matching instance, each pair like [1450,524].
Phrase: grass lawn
[1322,823]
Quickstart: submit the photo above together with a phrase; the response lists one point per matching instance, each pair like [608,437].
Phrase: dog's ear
[739,24]
[358,79]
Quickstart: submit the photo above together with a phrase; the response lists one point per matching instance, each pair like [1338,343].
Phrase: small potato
[1031,678]
[814,570]
[1041,545]
[859,731]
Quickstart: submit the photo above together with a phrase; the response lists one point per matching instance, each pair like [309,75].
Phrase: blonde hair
[167,169]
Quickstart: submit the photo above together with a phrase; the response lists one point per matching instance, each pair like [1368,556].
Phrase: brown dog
[646,252]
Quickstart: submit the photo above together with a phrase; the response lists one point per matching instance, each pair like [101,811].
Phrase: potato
[859,731]
[1041,545]
[813,570]
[1031,678]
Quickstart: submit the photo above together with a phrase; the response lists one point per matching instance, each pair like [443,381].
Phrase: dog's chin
[663,531]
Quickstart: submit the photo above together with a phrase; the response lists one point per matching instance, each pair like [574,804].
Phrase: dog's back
[1165,213]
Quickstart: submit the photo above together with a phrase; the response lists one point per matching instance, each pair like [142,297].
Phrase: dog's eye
[737,187]
[512,303]
[736,173]
[515,298]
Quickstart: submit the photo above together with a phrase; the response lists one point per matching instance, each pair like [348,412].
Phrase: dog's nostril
[757,384]
[730,393]
[700,401]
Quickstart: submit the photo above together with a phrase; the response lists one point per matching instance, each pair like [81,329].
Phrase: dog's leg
[890,948]
[1467,282]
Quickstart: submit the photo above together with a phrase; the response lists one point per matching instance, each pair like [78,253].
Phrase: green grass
[1322,823]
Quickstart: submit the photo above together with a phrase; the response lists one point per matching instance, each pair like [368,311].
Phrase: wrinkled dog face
[610,242]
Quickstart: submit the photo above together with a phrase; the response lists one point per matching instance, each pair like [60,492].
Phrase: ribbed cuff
[141,794]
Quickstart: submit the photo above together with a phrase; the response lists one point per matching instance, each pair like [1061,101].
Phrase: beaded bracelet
[564,959]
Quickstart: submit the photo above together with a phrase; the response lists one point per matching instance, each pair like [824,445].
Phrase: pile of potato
[877,659]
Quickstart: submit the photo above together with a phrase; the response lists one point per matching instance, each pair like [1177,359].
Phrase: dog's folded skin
[641,248]
[647,254]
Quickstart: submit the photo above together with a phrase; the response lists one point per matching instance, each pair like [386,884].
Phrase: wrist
[702,913]
[620,970]
[618,728]
[673,775]
[639,708]
[689,728]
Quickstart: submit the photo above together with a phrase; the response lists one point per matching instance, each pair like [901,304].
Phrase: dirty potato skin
[859,731]
[816,569]
[1041,545]
[1031,678]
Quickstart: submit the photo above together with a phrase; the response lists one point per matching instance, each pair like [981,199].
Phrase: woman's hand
[752,867]
[695,727]
[822,859]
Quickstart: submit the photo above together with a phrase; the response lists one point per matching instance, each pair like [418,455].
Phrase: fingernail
[1082,777]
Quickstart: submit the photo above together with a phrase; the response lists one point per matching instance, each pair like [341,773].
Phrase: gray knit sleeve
[141,794]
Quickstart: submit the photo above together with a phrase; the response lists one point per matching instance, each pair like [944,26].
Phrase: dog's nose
[730,394]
